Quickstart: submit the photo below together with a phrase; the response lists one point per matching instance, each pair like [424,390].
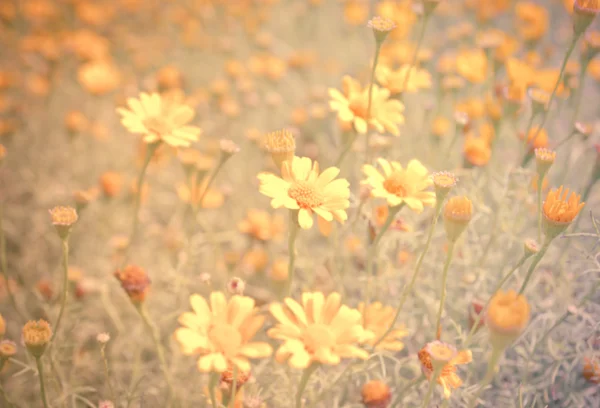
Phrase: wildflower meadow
[299,203]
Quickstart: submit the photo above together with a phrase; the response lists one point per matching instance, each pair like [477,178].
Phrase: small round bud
[531,247]
[381,27]
[7,349]
[228,149]
[103,338]
[62,219]
[457,215]
[236,286]
[36,336]
[376,394]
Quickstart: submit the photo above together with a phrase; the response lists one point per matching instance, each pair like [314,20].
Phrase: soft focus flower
[282,145]
[591,369]
[544,158]
[320,330]
[36,336]
[261,225]
[135,282]
[443,182]
[377,319]
[376,394]
[99,77]
[159,119]
[400,186]
[584,12]
[63,219]
[506,317]
[560,209]
[7,349]
[477,151]
[302,188]
[536,138]
[458,212]
[352,107]
[222,332]
[448,378]
[394,80]
[532,20]
[381,26]
[236,286]
[472,65]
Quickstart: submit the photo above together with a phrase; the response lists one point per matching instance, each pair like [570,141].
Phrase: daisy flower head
[448,378]
[303,188]
[160,119]
[376,319]
[318,330]
[221,332]
[352,107]
[400,185]
[560,209]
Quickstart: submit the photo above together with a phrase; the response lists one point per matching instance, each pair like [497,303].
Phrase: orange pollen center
[394,185]
[306,194]
[157,125]
[359,106]
[225,338]
[318,336]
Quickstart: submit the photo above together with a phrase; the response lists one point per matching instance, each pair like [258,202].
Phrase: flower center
[359,106]
[157,125]
[306,194]
[225,338]
[395,185]
[318,335]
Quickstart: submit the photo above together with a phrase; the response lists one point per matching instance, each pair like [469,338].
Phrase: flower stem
[534,263]
[560,74]
[539,205]
[293,234]
[212,383]
[375,60]
[303,382]
[480,316]
[63,299]
[159,348]
[233,387]
[40,367]
[416,53]
[346,149]
[432,382]
[438,326]
[373,250]
[526,135]
[107,374]
[212,178]
[3,265]
[489,376]
[408,289]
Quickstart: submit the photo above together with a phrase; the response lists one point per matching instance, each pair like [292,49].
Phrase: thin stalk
[558,80]
[416,53]
[293,234]
[233,387]
[346,149]
[4,267]
[375,60]
[408,289]
[526,135]
[40,367]
[373,250]
[579,91]
[159,347]
[107,374]
[539,205]
[489,376]
[63,299]
[438,326]
[303,382]
[212,177]
[212,383]
[480,316]
[534,263]
[432,382]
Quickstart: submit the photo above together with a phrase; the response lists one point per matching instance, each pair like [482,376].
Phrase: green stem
[408,289]
[107,374]
[489,376]
[212,178]
[480,316]
[375,60]
[416,53]
[233,387]
[303,382]
[159,347]
[63,299]
[438,326]
[346,149]
[534,263]
[212,383]
[432,382]
[293,234]
[558,80]
[526,135]
[579,91]
[373,250]
[539,204]
[40,368]
[4,267]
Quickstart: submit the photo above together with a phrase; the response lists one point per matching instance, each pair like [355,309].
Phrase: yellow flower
[477,151]
[532,20]
[302,188]
[448,378]
[377,319]
[221,333]
[472,65]
[394,80]
[352,107]
[400,186]
[320,330]
[261,225]
[160,119]
[506,317]
[560,209]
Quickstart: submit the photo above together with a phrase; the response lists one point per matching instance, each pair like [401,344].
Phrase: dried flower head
[227,377]
[228,148]
[36,336]
[443,181]
[381,27]
[583,129]
[461,118]
[458,212]
[135,282]
[62,219]
[507,316]
[7,349]
[440,353]
[448,378]
[236,286]
[531,247]
[282,145]
[376,394]
[103,338]
[560,209]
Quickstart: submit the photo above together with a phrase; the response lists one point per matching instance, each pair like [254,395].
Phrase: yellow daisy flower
[376,319]
[221,333]
[160,120]
[352,107]
[302,188]
[320,330]
[394,80]
[448,378]
[400,186]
